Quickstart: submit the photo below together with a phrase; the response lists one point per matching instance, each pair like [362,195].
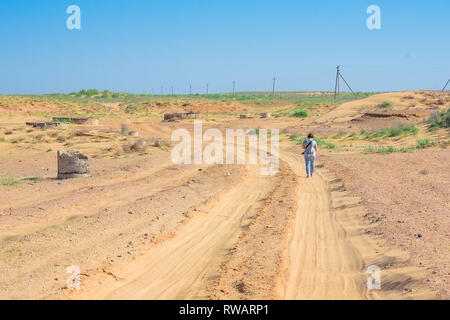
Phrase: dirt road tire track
[329,248]
[181,267]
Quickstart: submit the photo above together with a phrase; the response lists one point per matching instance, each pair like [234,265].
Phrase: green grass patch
[8,182]
[384,150]
[321,143]
[391,132]
[425,143]
[63,120]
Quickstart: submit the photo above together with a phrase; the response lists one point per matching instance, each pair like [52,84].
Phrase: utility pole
[445,86]
[207,88]
[336,86]
[190,91]
[234,87]
[172,90]
[273,87]
[162,88]
[338,77]
[153,91]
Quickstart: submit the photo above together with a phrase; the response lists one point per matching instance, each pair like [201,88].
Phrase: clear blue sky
[138,45]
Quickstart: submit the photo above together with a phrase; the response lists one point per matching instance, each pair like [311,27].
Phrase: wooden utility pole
[273,87]
[172,90]
[445,86]
[234,87]
[207,88]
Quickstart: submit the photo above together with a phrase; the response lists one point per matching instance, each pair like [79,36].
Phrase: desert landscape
[139,226]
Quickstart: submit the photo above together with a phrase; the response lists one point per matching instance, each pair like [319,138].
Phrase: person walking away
[310,153]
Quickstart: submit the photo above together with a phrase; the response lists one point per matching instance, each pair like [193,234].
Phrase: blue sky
[137,46]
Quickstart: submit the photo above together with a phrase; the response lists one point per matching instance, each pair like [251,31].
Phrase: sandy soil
[140,227]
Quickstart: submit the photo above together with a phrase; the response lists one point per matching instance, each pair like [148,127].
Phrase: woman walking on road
[310,152]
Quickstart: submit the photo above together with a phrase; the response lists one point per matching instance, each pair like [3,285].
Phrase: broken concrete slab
[72,164]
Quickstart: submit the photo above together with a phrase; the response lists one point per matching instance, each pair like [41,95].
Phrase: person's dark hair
[311,136]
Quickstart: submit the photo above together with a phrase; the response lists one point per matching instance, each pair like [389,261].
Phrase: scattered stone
[133,134]
[72,164]
[419,235]
[139,146]
[174,116]
[265,115]
[46,125]
[240,286]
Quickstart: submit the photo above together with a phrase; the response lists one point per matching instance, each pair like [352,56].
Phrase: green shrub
[106,94]
[300,114]
[92,92]
[386,104]
[440,119]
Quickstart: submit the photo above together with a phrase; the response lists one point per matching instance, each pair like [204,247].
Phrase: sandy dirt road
[329,250]
[322,264]
[181,267]
[326,256]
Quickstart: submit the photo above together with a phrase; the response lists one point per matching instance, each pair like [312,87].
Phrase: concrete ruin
[48,125]
[72,164]
[78,120]
[180,116]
